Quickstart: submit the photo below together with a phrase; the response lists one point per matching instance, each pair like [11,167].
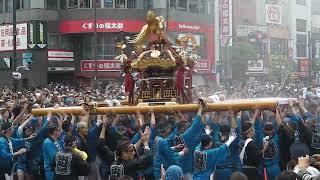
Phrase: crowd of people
[282,143]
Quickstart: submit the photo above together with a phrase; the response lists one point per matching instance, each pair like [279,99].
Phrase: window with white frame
[182,4]
[120,3]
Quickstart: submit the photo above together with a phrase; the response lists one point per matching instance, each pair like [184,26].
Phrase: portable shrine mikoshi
[238,105]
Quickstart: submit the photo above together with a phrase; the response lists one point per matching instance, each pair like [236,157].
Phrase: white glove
[231,139]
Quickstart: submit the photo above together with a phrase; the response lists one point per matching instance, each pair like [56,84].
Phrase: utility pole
[95,43]
[14,31]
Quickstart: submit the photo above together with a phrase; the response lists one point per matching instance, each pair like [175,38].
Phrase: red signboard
[102,65]
[86,26]
[304,67]
[83,26]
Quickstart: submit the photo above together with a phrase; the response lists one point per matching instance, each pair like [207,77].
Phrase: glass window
[120,3]
[51,4]
[87,46]
[53,41]
[25,4]
[84,3]
[148,4]
[73,4]
[204,6]
[1,6]
[301,45]
[132,4]
[301,25]
[8,6]
[301,2]
[66,42]
[63,4]
[182,4]
[108,3]
[173,4]
[193,6]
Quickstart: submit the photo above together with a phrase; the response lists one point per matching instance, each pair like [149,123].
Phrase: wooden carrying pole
[221,106]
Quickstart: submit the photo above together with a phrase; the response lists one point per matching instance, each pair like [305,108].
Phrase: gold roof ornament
[155,24]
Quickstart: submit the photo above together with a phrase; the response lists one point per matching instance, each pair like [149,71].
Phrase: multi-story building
[287,24]
[59,36]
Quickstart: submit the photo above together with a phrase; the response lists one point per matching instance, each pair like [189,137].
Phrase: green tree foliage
[239,55]
[279,67]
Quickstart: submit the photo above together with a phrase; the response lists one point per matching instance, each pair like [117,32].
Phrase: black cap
[299,149]
[163,125]
[5,126]
[246,126]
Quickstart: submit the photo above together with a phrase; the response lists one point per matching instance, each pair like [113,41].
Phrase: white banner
[273,14]
[60,55]
[254,66]
[226,22]
[6,37]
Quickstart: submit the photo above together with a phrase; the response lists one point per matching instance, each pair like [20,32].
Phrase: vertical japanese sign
[6,37]
[37,34]
[226,21]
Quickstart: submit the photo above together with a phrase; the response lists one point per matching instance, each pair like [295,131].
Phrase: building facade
[60,37]
[287,24]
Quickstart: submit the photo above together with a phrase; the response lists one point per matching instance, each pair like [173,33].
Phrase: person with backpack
[68,164]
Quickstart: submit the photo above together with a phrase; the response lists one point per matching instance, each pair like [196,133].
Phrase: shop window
[53,5]
[301,45]
[120,3]
[87,46]
[66,42]
[108,3]
[53,41]
[132,4]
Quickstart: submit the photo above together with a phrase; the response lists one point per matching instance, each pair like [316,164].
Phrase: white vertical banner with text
[226,22]
[6,37]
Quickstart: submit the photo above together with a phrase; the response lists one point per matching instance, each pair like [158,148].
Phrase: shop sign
[273,14]
[37,34]
[60,55]
[102,65]
[64,69]
[6,37]
[304,65]
[245,30]
[226,21]
[255,65]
